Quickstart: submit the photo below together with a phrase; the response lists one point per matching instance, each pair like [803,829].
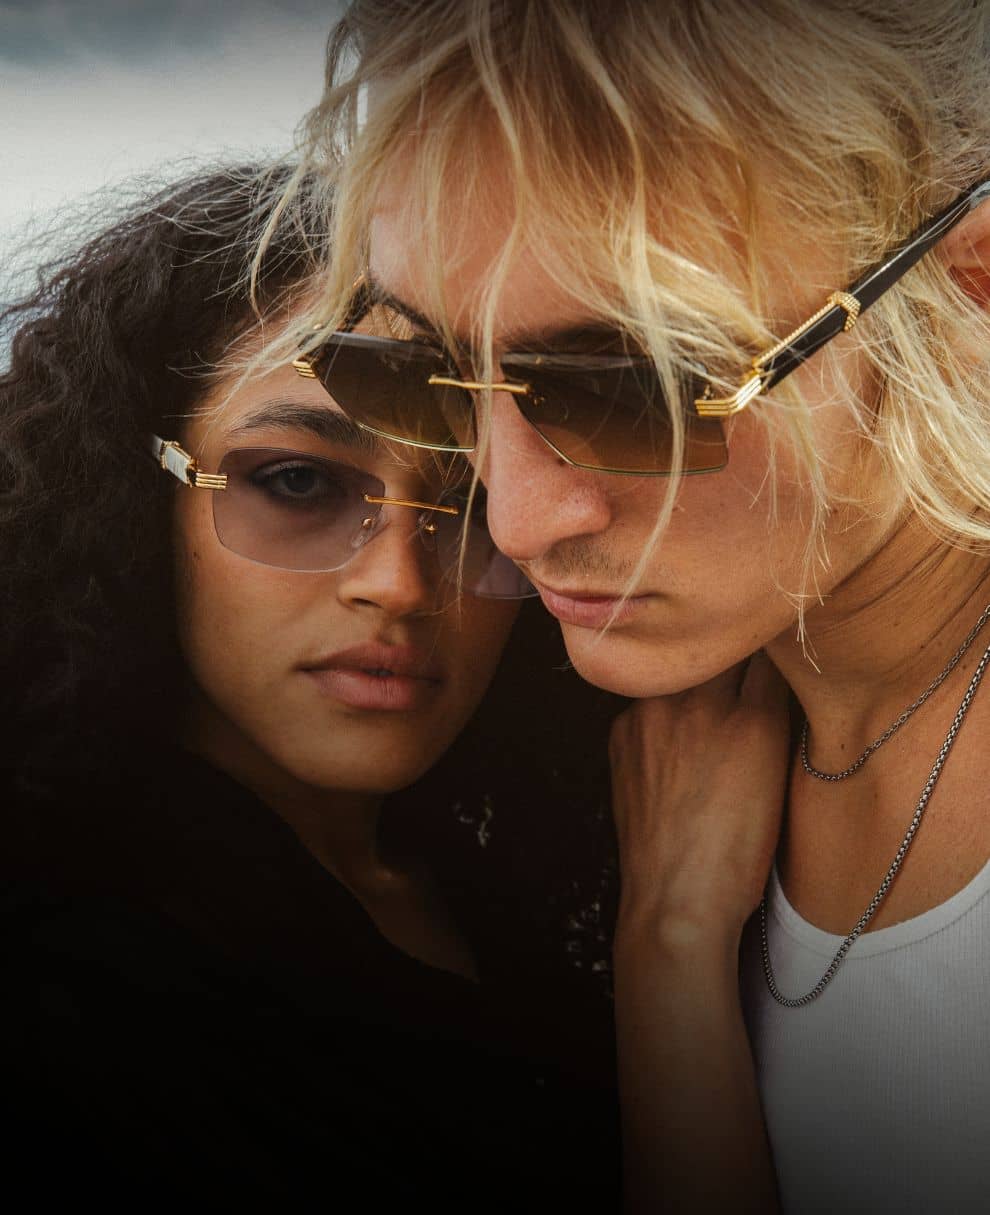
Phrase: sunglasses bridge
[429,527]
[443,381]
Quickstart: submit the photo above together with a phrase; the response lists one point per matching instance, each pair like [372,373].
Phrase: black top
[199,1013]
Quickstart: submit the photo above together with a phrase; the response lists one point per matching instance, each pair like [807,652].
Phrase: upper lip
[406,660]
[573,592]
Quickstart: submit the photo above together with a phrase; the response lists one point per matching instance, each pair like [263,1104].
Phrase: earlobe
[966,252]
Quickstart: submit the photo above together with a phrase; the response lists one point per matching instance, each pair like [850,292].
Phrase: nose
[535,498]
[393,572]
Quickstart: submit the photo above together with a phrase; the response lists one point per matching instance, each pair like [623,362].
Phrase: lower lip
[595,612]
[360,690]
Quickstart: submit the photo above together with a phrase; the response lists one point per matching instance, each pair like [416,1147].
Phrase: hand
[698,786]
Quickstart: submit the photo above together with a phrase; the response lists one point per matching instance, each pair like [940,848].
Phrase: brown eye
[296,481]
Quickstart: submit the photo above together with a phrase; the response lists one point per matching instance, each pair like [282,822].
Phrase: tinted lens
[300,512]
[486,570]
[386,387]
[291,510]
[609,413]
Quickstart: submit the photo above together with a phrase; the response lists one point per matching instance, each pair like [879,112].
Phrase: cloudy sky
[92,91]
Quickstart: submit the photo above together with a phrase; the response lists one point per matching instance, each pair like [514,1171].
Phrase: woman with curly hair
[229,627]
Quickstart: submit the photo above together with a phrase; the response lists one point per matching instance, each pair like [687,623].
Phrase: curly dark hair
[122,337]
[118,338]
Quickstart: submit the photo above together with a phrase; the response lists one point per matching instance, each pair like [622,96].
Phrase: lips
[379,677]
[588,611]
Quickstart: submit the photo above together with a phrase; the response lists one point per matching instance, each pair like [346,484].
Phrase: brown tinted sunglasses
[605,412]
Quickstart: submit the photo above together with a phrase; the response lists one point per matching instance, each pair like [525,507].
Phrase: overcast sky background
[94,91]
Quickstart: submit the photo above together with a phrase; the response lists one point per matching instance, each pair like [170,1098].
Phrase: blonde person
[237,968]
[702,290]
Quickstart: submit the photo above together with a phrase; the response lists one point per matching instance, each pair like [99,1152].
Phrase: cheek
[725,534]
[474,640]
[752,529]
[714,582]
[231,613]
[191,538]
[740,546]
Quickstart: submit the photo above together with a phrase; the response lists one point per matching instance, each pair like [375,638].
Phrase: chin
[635,667]
[370,772]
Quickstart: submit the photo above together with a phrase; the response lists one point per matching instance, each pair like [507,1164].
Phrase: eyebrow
[282,413]
[517,340]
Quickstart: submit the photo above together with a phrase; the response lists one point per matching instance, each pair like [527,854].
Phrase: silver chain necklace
[926,793]
[908,712]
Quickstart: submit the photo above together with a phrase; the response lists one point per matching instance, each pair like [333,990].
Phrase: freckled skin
[716,588]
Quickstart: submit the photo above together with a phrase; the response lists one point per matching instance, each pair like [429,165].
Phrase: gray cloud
[45,32]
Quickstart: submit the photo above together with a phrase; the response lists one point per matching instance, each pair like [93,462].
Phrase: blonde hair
[849,121]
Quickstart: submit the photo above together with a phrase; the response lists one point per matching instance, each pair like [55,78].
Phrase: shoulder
[111,885]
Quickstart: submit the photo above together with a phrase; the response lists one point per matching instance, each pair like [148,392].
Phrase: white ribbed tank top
[877,1094]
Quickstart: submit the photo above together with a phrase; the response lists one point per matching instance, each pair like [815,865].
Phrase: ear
[966,251]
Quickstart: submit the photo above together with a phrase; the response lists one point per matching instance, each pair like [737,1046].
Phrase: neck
[339,828]
[881,637]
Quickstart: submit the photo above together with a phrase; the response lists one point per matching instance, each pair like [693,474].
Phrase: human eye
[299,482]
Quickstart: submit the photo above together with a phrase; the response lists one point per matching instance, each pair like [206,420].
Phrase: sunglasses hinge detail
[303,364]
[175,459]
[725,407]
[205,480]
[753,384]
